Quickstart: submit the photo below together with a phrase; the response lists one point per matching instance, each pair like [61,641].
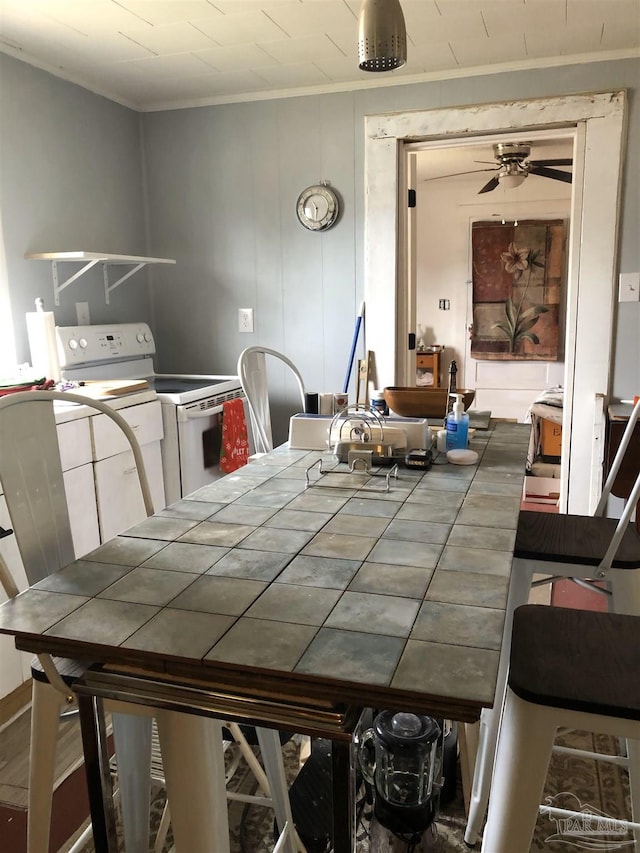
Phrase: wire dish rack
[357,438]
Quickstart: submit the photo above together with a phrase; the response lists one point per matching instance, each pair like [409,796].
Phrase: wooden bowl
[422,402]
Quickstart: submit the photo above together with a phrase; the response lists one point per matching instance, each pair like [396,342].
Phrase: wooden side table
[617,417]
[430,361]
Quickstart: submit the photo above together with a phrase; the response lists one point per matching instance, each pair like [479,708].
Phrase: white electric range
[192,405]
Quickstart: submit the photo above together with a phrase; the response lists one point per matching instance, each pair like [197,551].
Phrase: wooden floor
[70,804]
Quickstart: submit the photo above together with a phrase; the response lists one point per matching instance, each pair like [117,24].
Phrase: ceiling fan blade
[493,183]
[455,174]
[554,174]
[565,161]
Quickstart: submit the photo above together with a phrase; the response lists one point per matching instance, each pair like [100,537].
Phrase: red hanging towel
[234,452]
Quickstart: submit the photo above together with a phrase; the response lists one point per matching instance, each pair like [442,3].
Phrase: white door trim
[603,115]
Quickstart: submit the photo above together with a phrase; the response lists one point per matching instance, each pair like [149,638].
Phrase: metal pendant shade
[382,36]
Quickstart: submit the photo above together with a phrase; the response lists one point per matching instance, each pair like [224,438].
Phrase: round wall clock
[317,207]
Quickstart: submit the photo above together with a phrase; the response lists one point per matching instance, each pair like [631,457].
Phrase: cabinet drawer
[74,441]
[108,440]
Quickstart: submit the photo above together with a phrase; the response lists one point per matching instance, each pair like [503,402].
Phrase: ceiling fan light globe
[510,182]
[382,36]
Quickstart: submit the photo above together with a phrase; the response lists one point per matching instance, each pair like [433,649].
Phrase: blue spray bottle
[457,425]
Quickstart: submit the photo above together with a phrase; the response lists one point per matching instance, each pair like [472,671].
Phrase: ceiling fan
[513,166]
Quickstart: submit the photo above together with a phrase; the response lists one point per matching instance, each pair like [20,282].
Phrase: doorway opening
[597,121]
[448,206]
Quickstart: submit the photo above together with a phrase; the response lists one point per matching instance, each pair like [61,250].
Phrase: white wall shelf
[90,259]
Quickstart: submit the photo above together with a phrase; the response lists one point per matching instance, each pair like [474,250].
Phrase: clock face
[317,207]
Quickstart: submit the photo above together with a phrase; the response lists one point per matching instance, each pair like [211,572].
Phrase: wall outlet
[82,314]
[245,320]
[629,288]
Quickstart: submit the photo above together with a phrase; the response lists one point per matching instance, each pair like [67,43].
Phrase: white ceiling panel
[169,38]
[474,51]
[91,18]
[285,76]
[426,28]
[110,50]
[171,11]
[241,28]
[180,64]
[581,40]
[302,49]
[255,48]
[431,57]
[524,19]
[313,17]
[236,57]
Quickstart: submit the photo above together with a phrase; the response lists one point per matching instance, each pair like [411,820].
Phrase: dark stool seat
[584,540]
[569,668]
[577,659]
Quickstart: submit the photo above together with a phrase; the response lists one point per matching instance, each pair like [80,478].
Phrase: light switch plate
[82,314]
[629,288]
[245,320]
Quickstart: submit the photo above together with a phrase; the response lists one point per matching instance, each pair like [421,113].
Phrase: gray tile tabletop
[386,594]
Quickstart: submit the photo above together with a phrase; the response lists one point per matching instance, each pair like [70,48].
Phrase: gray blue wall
[70,179]
[220,186]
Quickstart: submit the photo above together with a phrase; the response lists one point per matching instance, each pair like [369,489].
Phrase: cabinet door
[81,502]
[120,503]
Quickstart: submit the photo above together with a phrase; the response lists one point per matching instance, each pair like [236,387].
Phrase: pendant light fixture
[382,36]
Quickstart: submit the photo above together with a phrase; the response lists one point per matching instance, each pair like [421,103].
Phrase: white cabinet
[74,440]
[118,494]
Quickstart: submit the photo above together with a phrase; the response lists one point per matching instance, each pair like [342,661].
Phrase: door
[406,315]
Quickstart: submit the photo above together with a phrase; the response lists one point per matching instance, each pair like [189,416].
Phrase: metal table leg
[343,796]
[96,764]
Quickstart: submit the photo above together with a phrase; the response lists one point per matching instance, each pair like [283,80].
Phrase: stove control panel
[82,344]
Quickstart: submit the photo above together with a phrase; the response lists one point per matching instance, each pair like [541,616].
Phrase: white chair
[252,370]
[31,475]
[569,668]
[584,549]
[272,785]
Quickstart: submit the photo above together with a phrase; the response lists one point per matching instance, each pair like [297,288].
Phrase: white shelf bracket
[89,260]
[109,287]
[58,288]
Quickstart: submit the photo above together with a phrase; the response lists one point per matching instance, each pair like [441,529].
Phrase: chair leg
[163,829]
[45,722]
[625,591]
[633,753]
[271,751]
[526,740]
[132,739]
[193,760]
[519,590]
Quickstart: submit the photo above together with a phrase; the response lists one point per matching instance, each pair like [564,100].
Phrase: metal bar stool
[572,668]
[561,546]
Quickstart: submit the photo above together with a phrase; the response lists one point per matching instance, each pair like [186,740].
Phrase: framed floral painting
[519,274]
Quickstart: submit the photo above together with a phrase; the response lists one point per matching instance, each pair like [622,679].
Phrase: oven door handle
[185,414]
